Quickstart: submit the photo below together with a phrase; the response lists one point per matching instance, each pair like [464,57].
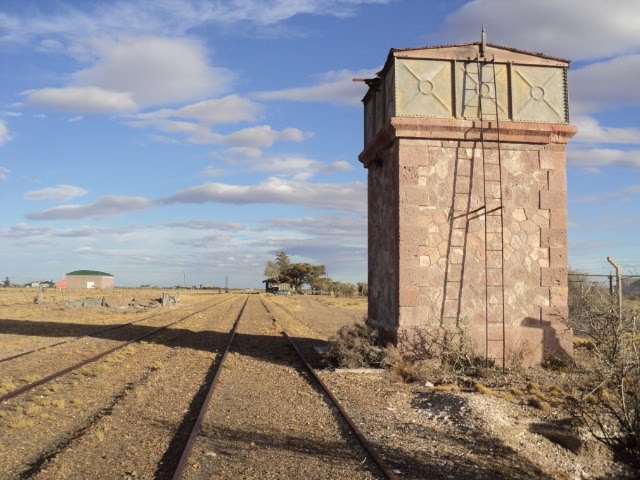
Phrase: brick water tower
[465,152]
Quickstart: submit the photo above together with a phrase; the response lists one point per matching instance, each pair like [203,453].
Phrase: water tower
[465,147]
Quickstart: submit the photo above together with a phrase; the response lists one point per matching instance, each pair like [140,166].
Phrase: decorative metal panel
[369,120]
[423,88]
[538,94]
[380,109]
[495,88]
[389,94]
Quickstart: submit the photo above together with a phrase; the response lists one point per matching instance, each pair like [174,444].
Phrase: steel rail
[53,376]
[182,463]
[113,327]
[388,473]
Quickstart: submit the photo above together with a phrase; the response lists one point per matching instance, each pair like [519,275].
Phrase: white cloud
[244,152]
[212,171]
[77,118]
[207,225]
[599,157]
[622,192]
[590,131]
[23,230]
[336,226]
[104,207]
[345,196]
[168,17]
[153,70]
[83,232]
[604,85]
[12,114]
[575,29]
[57,193]
[229,109]
[194,133]
[205,241]
[297,166]
[81,99]
[5,136]
[335,87]
[263,136]
[51,45]
[257,137]
[4,174]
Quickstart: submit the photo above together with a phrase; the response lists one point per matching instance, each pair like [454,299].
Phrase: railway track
[94,358]
[92,334]
[190,467]
[234,397]
[96,400]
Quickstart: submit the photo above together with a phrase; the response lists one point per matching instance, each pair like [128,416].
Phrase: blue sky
[159,140]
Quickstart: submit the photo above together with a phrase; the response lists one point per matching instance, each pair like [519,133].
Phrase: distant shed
[89,279]
[272,285]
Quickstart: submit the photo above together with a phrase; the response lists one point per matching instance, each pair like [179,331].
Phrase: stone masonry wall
[430,184]
[383,242]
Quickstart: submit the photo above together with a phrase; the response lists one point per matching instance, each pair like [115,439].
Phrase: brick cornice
[464,130]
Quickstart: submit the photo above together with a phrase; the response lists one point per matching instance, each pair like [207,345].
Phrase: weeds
[6,385]
[355,346]
[451,346]
[538,403]
[446,388]
[409,371]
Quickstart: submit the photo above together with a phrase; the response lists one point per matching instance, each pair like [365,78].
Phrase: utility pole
[226,284]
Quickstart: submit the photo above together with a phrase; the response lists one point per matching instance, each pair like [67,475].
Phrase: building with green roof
[89,279]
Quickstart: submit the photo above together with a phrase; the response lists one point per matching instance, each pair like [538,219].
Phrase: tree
[277,267]
[344,289]
[282,261]
[363,288]
[6,283]
[295,274]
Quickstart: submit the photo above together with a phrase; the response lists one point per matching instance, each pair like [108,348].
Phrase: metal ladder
[457,245]
[493,226]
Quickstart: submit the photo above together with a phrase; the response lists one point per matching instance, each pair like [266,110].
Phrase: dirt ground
[127,415]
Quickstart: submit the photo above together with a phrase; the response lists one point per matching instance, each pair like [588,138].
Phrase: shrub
[609,406]
[409,371]
[451,346]
[355,346]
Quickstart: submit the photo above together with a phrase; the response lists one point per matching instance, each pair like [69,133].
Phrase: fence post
[618,281]
[611,285]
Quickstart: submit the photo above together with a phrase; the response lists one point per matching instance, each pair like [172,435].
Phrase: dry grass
[484,390]
[446,388]
[58,403]
[351,303]
[538,403]
[408,371]
[30,378]
[583,342]
[289,302]
[35,326]
[7,385]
